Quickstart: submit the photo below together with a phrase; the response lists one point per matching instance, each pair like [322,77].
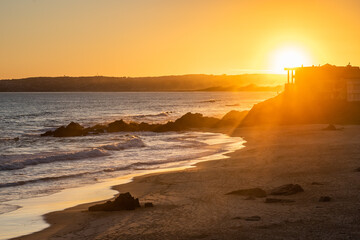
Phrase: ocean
[32,167]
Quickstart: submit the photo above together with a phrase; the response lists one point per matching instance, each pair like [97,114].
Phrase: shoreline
[34,212]
[191,203]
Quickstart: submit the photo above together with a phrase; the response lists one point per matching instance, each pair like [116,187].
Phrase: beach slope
[192,204]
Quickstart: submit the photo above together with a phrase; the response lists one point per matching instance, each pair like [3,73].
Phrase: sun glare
[288,57]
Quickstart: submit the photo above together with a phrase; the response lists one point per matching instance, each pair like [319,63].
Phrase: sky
[171,37]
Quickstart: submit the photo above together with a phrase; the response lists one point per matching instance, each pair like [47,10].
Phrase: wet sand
[191,204]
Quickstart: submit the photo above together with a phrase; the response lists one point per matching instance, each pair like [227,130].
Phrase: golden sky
[163,37]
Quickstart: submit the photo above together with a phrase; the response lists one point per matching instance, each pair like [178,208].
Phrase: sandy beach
[192,203]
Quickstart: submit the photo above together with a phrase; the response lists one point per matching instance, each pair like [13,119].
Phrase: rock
[232,118]
[71,130]
[316,183]
[324,199]
[278,200]
[250,192]
[123,202]
[330,127]
[118,126]
[253,218]
[148,205]
[287,189]
[194,120]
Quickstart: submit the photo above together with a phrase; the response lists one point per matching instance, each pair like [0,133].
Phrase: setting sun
[289,57]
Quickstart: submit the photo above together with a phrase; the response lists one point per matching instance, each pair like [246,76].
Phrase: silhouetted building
[325,82]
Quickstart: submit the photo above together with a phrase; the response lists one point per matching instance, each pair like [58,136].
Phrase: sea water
[34,167]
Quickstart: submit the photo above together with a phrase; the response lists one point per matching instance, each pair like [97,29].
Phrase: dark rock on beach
[250,192]
[324,199]
[250,219]
[148,205]
[316,183]
[123,202]
[287,189]
[253,218]
[278,200]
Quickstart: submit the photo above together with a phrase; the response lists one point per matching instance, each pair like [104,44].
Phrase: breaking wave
[101,151]
[136,166]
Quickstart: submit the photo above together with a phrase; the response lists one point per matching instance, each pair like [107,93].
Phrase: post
[288,76]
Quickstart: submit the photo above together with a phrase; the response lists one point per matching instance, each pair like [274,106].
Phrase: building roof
[325,66]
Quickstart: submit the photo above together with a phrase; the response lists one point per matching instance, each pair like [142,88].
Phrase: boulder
[194,120]
[71,130]
[287,189]
[123,202]
[232,119]
[118,126]
[250,192]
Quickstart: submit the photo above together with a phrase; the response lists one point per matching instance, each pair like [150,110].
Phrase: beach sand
[191,204]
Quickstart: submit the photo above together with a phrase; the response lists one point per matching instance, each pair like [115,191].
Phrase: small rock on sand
[123,202]
[316,183]
[278,200]
[325,199]
[250,219]
[250,192]
[287,189]
[148,205]
[253,218]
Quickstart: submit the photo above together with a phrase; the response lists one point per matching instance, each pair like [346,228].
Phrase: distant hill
[194,82]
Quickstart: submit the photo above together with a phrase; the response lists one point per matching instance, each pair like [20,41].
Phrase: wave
[101,151]
[5,208]
[210,101]
[162,114]
[134,142]
[141,165]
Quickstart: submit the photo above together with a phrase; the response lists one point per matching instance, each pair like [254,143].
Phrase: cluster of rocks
[284,190]
[186,122]
[287,189]
[123,202]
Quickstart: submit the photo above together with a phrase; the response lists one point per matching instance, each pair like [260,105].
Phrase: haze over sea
[33,166]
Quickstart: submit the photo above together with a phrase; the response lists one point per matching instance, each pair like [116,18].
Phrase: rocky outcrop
[123,202]
[232,119]
[186,122]
[295,108]
[71,130]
